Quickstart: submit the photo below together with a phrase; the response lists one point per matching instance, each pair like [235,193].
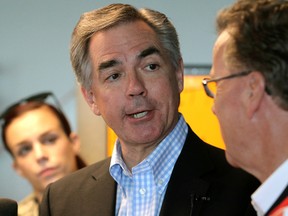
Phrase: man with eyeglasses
[43,148]
[249,84]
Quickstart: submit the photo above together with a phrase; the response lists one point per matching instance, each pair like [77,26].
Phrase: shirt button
[142,191]
[160,182]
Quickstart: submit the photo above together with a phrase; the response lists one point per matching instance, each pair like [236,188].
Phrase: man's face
[228,104]
[135,88]
[42,152]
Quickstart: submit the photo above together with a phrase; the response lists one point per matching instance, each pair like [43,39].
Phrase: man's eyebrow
[107,64]
[111,63]
[149,51]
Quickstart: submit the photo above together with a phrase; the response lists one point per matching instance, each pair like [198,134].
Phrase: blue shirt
[141,192]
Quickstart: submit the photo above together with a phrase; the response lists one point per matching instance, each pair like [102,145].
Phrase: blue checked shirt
[141,192]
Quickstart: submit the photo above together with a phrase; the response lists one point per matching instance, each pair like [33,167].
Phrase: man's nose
[136,85]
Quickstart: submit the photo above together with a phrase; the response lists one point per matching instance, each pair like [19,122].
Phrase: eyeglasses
[42,97]
[210,84]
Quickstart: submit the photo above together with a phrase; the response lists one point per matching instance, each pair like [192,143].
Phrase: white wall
[34,53]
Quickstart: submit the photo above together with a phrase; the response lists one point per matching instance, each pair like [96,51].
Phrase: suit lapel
[104,196]
[186,191]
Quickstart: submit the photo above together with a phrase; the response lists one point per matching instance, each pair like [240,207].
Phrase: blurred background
[34,57]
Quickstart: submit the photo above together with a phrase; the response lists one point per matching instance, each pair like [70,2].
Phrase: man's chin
[230,160]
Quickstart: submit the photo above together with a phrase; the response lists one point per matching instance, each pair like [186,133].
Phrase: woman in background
[43,147]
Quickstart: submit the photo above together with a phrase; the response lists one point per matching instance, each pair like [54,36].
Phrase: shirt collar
[264,197]
[164,157]
[161,160]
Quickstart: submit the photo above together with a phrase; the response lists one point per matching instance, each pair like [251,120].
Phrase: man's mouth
[139,115]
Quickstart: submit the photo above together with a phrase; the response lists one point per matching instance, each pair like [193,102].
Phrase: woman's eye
[50,139]
[24,150]
[152,67]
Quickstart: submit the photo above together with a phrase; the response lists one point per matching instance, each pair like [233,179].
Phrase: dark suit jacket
[202,183]
[280,199]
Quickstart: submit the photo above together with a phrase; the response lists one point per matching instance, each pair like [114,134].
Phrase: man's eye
[113,77]
[152,67]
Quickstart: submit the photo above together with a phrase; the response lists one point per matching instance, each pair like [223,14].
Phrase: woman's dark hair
[19,110]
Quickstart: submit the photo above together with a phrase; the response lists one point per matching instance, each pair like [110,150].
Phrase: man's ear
[90,99]
[255,92]
[180,75]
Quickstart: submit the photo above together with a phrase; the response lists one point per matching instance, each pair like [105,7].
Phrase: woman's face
[42,152]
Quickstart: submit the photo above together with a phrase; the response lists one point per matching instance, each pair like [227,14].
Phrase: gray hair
[109,17]
[259,41]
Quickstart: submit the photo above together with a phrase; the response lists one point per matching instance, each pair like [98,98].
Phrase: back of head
[8,207]
[108,17]
[259,32]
